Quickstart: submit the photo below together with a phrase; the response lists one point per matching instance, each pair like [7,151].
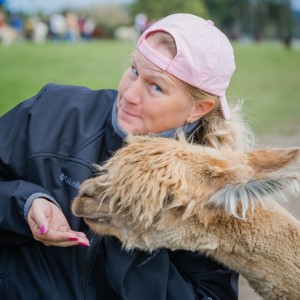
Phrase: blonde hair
[217,132]
[213,130]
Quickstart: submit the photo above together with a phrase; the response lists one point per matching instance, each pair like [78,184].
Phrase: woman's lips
[128,113]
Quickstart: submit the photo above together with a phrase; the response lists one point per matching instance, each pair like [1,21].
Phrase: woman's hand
[49,226]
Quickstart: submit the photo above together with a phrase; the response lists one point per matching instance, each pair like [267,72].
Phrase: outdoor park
[267,80]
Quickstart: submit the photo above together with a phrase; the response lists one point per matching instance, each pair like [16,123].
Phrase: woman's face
[150,100]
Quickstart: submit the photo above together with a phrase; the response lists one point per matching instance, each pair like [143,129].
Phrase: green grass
[26,67]
[267,75]
[268,79]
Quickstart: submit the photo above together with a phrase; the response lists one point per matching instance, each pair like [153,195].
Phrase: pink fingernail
[74,239]
[83,244]
[42,230]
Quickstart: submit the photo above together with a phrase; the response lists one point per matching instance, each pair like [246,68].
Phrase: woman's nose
[133,93]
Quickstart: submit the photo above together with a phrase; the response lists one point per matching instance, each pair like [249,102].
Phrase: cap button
[210,22]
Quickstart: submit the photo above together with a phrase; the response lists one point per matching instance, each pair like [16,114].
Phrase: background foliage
[155,9]
[255,18]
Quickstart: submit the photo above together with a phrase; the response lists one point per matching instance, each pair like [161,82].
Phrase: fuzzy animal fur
[158,192]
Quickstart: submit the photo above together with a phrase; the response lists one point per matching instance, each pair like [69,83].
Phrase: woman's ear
[201,108]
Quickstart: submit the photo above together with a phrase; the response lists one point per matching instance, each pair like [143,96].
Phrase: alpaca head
[157,184]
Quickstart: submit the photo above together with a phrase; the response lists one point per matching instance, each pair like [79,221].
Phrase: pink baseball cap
[204,58]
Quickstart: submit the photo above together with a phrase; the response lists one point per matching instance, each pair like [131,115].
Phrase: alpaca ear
[273,175]
[272,160]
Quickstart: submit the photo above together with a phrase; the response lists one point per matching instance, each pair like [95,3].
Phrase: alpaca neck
[265,250]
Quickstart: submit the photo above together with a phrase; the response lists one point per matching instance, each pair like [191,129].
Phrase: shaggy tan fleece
[159,192]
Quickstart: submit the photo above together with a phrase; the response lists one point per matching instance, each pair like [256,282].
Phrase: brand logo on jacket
[69,181]
[148,258]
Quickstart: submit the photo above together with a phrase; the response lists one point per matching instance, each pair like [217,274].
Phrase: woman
[178,77]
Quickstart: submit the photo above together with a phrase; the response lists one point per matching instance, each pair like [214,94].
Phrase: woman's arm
[166,275]
[15,191]
[18,193]
[207,278]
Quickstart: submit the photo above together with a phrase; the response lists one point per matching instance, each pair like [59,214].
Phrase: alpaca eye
[169,199]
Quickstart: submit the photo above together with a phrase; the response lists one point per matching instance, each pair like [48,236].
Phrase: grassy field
[268,79]
[267,75]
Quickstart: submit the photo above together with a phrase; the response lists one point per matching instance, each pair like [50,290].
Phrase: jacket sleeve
[205,277]
[15,192]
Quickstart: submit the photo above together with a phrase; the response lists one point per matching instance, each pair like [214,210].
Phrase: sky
[295,4]
[50,6]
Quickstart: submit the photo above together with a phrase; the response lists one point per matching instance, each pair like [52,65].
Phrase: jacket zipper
[86,265]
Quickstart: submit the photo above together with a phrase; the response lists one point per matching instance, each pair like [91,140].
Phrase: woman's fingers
[63,238]
[49,226]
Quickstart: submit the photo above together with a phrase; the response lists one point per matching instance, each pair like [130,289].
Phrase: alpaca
[158,192]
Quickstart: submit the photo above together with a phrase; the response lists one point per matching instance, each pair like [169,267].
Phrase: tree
[156,9]
[255,18]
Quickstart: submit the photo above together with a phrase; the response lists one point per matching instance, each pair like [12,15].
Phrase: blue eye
[157,88]
[134,71]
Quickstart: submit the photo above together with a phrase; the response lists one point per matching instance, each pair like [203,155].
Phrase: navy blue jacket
[47,146]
